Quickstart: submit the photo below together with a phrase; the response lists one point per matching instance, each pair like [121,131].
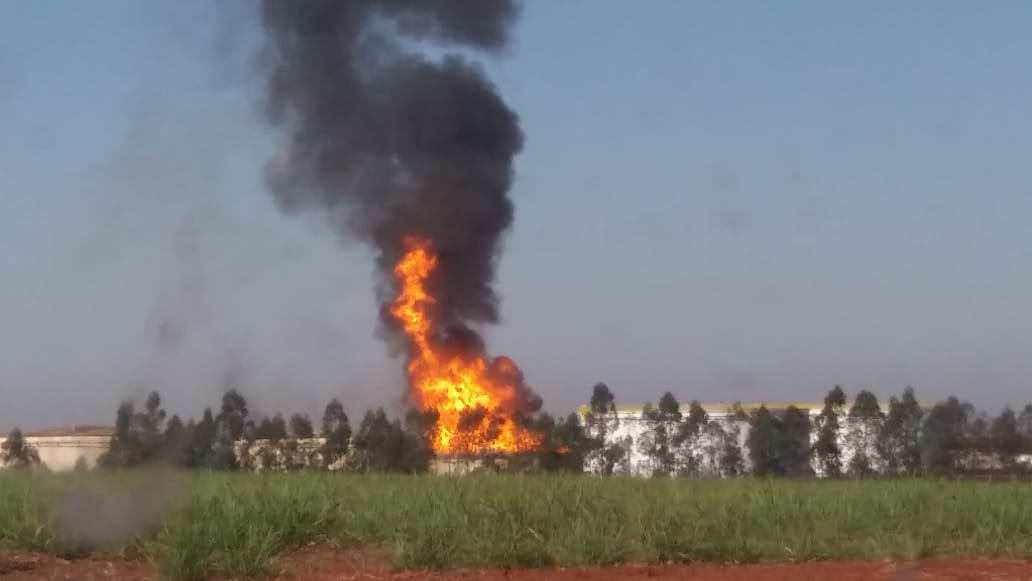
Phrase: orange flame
[474,399]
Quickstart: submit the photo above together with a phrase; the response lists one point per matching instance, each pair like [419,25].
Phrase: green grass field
[234,523]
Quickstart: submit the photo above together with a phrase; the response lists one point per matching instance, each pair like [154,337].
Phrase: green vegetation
[233,523]
[15,453]
[366,488]
[668,439]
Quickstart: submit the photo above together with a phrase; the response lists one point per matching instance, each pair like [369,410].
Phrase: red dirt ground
[323,565]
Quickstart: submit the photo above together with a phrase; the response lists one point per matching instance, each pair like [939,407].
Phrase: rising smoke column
[393,145]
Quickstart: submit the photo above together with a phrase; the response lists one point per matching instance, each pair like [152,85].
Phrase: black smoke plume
[390,143]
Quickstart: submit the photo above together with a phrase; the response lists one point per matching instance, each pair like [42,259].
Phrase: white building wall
[265,455]
[62,453]
[632,428]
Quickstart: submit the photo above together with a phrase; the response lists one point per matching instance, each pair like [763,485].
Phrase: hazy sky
[727,200]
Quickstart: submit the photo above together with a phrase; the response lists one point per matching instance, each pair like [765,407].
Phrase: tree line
[222,439]
[230,438]
[857,440]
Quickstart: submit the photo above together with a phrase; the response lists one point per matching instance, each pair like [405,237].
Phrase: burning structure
[412,156]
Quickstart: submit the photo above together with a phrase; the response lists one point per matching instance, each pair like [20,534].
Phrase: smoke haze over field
[726,208]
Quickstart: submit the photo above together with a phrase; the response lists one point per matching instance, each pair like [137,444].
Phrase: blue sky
[727,200]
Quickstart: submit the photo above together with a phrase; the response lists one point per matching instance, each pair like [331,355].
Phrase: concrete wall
[704,452]
[61,453]
[266,455]
[631,427]
[458,465]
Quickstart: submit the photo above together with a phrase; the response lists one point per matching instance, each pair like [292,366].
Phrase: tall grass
[234,523]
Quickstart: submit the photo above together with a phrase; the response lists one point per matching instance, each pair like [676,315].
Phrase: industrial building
[61,449]
[630,430]
[269,455]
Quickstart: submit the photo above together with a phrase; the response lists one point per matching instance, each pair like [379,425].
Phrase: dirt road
[370,566]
